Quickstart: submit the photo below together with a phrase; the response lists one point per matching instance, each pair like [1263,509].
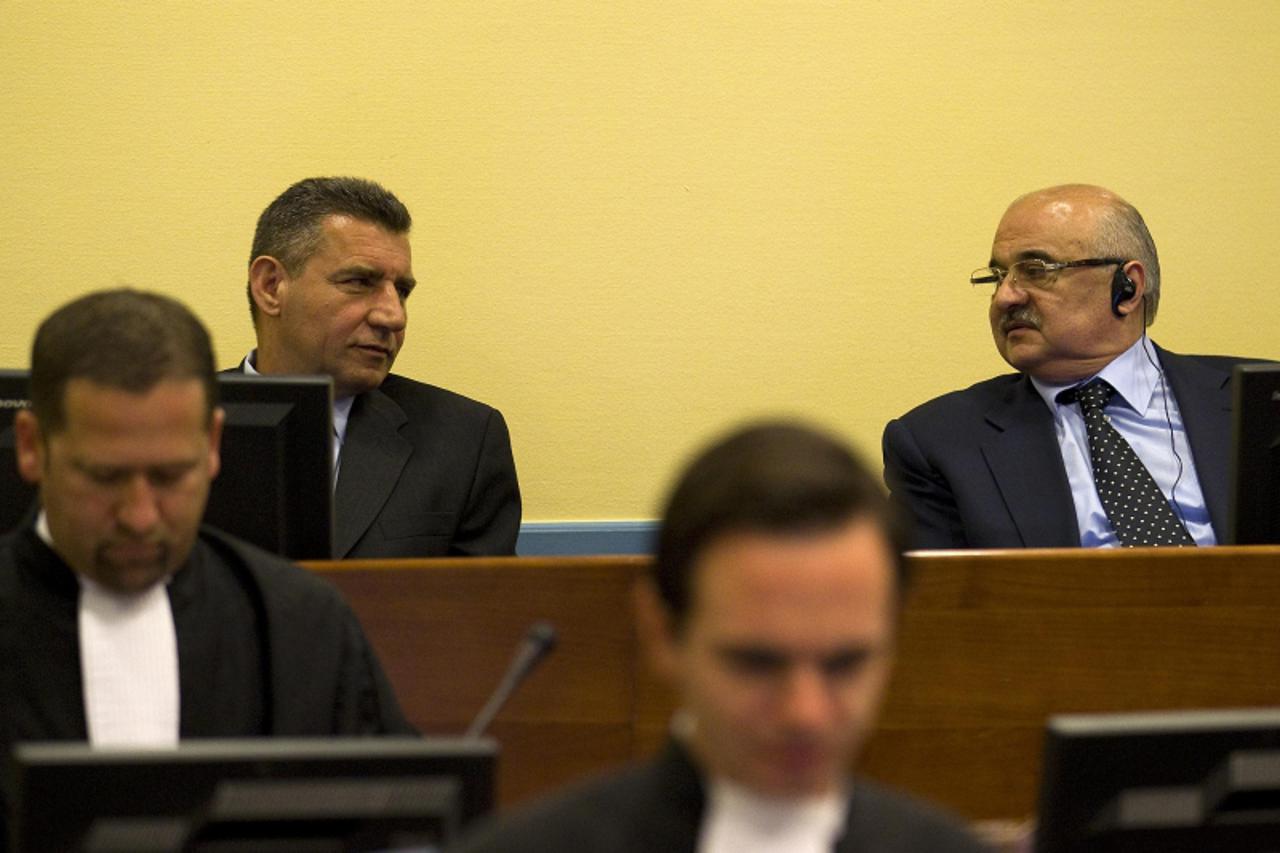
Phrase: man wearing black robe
[122,438]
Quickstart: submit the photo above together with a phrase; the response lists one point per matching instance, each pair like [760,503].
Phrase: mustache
[1020,315]
[387,342]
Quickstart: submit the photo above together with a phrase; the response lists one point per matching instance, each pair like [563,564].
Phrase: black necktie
[1136,507]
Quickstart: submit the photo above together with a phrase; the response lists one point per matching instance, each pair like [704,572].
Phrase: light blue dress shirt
[1146,414]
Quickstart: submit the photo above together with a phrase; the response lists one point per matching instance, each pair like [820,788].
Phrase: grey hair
[1123,233]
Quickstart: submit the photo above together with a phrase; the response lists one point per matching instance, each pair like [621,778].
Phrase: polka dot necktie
[1136,507]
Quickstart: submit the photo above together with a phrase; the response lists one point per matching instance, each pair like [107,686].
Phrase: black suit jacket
[981,468]
[424,472]
[657,808]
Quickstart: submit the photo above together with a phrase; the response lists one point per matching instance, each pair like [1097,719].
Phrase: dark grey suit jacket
[657,808]
[424,472]
[981,468]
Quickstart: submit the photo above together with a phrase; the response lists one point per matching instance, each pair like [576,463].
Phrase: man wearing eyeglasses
[1102,438]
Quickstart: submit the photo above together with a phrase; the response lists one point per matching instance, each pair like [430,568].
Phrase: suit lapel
[674,805]
[373,455]
[1023,456]
[1204,399]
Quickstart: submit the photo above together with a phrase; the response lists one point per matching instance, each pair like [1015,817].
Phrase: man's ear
[216,420]
[28,445]
[268,281]
[1137,274]
[659,635]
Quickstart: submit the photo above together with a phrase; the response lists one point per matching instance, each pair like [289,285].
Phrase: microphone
[538,642]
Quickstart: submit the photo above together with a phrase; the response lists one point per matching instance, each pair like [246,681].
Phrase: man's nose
[387,311]
[139,509]
[806,699]
[1009,292]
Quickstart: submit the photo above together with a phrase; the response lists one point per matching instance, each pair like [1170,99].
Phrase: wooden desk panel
[991,644]
[446,630]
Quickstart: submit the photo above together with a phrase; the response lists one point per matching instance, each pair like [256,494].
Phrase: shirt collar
[42,529]
[739,818]
[825,812]
[341,414]
[1133,374]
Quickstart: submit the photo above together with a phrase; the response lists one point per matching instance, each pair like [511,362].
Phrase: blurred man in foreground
[772,609]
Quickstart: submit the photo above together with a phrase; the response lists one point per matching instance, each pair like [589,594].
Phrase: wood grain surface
[991,644]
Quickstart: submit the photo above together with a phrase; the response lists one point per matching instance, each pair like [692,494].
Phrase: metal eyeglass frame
[996,275]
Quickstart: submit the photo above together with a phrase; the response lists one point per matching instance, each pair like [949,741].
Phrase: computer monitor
[1168,782]
[1255,457]
[276,485]
[275,488]
[16,494]
[262,794]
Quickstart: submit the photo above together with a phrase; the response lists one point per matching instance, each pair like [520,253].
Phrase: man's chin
[360,380]
[791,785]
[792,773]
[131,575]
[1019,352]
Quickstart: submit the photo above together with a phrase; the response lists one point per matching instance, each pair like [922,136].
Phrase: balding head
[1106,225]
[1065,310]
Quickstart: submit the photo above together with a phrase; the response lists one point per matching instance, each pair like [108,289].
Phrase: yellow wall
[639,222]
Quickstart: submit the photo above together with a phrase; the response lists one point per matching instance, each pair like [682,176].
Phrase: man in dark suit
[1010,462]
[421,471]
[771,608]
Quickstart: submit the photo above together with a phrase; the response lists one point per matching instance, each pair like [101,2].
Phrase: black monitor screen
[275,487]
[16,494]
[1171,782]
[276,484]
[1255,460]
[318,795]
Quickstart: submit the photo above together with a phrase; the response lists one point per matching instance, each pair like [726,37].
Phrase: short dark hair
[123,338]
[291,228]
[771,477]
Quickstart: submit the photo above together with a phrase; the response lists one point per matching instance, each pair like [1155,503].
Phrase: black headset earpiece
[1122,290]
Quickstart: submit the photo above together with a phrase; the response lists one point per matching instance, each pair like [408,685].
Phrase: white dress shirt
[128,662]
[738,820]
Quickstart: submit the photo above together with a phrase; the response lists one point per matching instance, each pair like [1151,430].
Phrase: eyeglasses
[1034,272]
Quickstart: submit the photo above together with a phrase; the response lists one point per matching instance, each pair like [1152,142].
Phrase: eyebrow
[747,653]
[364,269]
[97,469]
[755,654]
[851,656]
[1026,255]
